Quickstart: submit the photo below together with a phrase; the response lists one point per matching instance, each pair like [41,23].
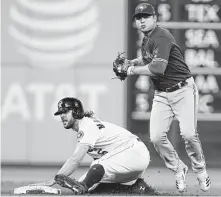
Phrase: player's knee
[98,169]
[190,136]
[94,176]
[154,139]
[157,139]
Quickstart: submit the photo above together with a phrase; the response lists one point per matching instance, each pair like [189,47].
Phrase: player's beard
[69,123]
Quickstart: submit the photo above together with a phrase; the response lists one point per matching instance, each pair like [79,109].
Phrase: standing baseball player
[119,156]
[175,95]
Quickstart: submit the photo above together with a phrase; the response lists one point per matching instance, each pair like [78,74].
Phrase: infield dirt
[162,179]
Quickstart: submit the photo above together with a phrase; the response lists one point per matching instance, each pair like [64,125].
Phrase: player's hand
[126,65]
[120,66]
[46,183]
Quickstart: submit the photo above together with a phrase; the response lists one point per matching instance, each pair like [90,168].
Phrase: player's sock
[94,175]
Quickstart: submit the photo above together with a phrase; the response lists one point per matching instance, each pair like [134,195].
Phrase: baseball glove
[72,184]
[120,66]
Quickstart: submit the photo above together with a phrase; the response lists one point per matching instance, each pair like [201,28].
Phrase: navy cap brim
[141,13]
[61,111]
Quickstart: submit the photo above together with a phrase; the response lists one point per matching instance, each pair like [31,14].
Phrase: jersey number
[98,150]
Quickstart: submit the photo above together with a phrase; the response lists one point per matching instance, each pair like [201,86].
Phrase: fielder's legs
[186,113]
[160,121]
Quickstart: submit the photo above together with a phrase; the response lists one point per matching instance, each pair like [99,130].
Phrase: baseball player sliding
[119,156]
[175,95]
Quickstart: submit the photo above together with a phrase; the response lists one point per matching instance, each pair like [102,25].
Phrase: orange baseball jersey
[104,137]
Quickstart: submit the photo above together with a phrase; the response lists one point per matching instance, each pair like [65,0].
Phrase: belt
[175,87]
[139,140]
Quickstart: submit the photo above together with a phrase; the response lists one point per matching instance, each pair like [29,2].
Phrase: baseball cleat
[204,181]
[181,179]
[75,186]
[141,187]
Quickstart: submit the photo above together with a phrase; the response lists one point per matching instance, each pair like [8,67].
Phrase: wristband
[130,70]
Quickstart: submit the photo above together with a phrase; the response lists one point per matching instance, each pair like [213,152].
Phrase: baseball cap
[144,8]
[65,105]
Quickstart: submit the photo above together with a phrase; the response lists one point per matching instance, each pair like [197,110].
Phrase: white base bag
[36,189]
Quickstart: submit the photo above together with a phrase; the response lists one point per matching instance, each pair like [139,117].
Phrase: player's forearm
[140,70]
[151,69]
[137,62]
[74,161]
[70,166]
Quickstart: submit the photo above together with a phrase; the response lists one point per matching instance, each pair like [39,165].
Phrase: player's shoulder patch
[80,134]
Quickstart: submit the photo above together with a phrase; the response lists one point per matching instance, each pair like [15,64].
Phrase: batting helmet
[73,104]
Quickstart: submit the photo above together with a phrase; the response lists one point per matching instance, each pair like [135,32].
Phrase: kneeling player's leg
[126,166]
[94,175]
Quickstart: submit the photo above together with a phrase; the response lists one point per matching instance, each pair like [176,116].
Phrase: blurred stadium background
[53,48]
